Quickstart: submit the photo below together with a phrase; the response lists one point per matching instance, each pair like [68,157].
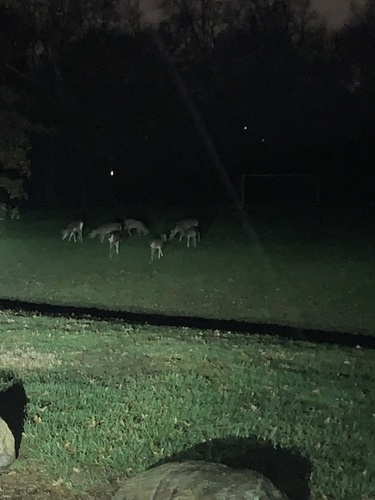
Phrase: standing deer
[73,228]
[183,226]
[156,245]
[114,238]
[130,224]
[192,234]
[105,230]
[14,213]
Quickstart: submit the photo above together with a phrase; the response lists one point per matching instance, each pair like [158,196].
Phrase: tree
[35,37]
[259,65]
[353,53]
[193,25]
[14,149]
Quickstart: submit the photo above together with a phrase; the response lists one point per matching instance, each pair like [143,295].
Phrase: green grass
[108,399]
[299,273]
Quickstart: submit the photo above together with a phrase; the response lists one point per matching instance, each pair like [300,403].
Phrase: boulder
[7,446]
[198,480]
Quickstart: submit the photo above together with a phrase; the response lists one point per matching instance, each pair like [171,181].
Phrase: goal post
[280,189]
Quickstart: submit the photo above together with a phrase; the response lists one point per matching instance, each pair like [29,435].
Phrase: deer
[130,224]
[114,238]
[105,229]
[183,226]
[192,234]
[156,245]
[73,228]
[14,213]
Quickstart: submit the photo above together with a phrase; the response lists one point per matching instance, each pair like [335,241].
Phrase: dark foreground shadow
[13,401]
[287,332]
[288,470]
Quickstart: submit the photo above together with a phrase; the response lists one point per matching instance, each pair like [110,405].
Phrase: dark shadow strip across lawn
[287,332]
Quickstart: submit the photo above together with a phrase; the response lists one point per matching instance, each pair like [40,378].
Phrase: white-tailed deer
[130,224]
[105,229]
[156,245]
[114,239]
[182,227]
[72,229]
[14,213]
[192,234]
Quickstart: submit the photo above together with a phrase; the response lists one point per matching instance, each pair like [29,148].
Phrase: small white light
[245,127]
[111,173]
[263,140]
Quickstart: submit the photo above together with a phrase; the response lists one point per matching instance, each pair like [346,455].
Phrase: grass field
[299,273]
[108,400]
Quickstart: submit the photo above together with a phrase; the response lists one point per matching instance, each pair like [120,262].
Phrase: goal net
[280,190]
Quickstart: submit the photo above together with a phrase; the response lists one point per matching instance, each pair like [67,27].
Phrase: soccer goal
[280,190]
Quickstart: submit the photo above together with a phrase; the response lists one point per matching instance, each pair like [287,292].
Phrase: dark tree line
[83,91]
[277,70]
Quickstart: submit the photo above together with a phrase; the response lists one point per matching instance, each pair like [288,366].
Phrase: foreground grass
[110,399]
[299,273]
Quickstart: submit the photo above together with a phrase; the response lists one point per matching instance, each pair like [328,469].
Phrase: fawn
[156,245]
[72,229]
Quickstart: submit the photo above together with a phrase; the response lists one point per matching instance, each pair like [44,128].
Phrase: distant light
[245,127]
[111,173]
[263,140]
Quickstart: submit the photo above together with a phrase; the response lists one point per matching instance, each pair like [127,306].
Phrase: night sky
[335,11]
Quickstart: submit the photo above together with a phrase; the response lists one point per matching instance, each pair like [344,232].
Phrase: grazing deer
[14,213]
[72,229]
[130,224]
[192,234]
[183,226]
[157,244]
[105,229]
[114,238]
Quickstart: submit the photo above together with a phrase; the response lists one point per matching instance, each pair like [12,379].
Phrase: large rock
[198,480]
[7,446]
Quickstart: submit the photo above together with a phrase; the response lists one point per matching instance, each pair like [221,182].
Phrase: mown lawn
[298,273]
[108,400]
